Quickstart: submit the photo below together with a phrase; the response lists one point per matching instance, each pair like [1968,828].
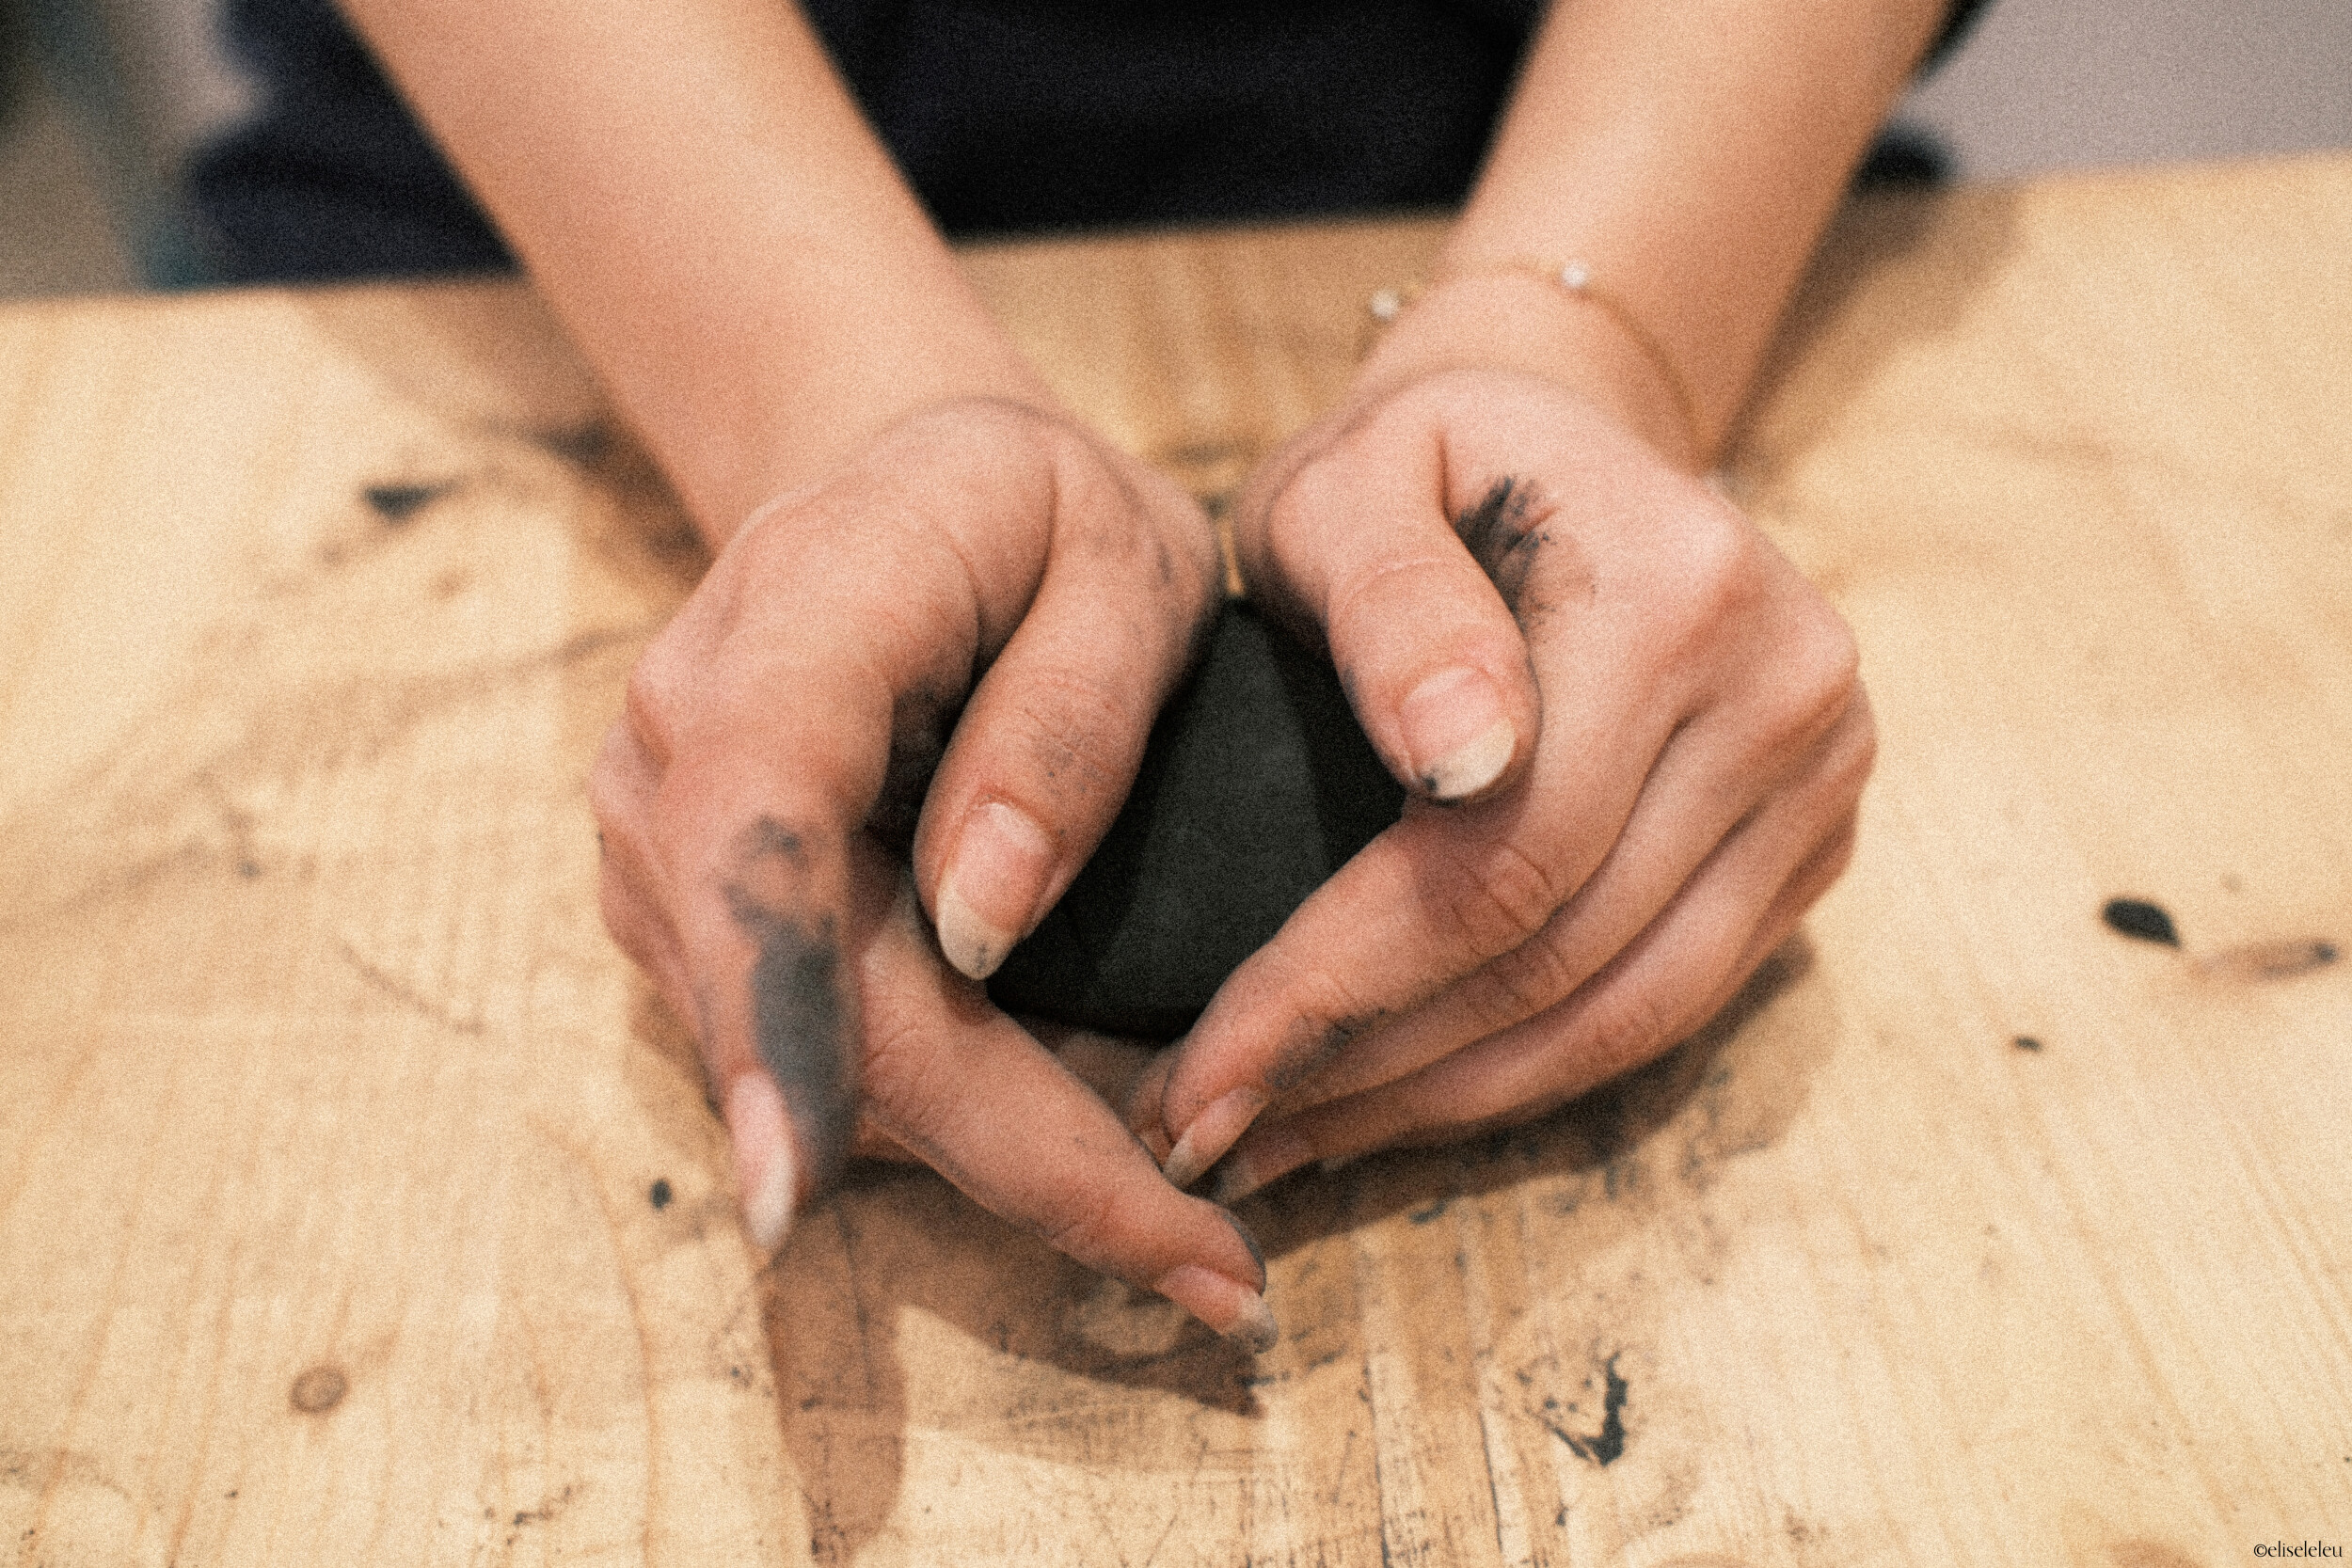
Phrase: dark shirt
[1006,116]
[1013,116]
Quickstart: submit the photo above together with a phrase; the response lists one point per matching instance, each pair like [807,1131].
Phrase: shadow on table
[1928,257]
[1015,1348]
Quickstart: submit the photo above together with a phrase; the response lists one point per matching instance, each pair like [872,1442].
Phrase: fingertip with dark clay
[797,1019]
[1499,538]
[800,1023]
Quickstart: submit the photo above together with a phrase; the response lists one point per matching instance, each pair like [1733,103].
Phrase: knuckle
[1292,517]
[653,702]
[1820,675]
[626,917]
[1631,1025]
[907,1085]
[609,796]
[1853,750]
[1080,730]
[1087,1227]
[1715,565]
[1523,982]
[1835,853]
[642,929]
[1504,896]
[619,780]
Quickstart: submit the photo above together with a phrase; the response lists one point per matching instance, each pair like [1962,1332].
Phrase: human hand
[786,739]
[1635,742]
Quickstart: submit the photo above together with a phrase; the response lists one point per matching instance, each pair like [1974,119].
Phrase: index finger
[762,722]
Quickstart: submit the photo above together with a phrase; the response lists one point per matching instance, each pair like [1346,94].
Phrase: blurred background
[101,100]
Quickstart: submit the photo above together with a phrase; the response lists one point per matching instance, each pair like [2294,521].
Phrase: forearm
[699,199]
[1690,155]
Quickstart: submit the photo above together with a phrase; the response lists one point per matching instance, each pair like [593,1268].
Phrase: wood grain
[358,1204]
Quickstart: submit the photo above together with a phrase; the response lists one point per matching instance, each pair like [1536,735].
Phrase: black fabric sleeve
[1006,116]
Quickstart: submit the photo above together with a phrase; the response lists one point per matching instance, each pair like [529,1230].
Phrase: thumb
[1416,605]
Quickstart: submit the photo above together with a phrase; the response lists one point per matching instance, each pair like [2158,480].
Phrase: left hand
[1635,741]
[981,563]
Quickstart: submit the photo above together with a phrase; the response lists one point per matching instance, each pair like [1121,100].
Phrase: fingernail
[1230,1307]
[1249,1240]
[1212,1133]
[1459,737]
[1263,1156]
[765,1175]
[988,898]
[1236,1179]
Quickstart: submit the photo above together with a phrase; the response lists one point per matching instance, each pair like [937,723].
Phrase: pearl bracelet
[1576,276]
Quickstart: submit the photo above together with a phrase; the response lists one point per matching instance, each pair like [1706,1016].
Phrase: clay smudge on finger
[800,1023]
[1248,1238]
[1503,541]
[1312,1047]
[797,1022]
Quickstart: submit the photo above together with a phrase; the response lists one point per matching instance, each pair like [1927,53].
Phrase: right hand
[1667,741]
[978,558]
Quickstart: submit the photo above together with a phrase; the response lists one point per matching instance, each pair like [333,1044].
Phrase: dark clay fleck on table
[658,1194]
[2025,1043]
[397,503]
[2137,917]
[318,1390]
[1607,1446]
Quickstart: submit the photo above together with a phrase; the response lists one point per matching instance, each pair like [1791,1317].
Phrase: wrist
[1526,320]
[806,413]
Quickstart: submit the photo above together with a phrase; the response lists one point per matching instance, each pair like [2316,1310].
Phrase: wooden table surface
[358,1204]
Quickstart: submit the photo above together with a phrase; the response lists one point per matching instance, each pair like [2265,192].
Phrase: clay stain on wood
[549,1508]
[583,446]
[1605,1447]
[2281,960]
[318,1390]
[2148,1554]
[658,1195]
[2139,918]
[2025,1043]
[397,504]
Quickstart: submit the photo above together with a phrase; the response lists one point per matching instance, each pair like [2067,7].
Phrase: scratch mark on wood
[406,995]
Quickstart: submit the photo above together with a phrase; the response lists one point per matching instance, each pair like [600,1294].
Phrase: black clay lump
[1256,785]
